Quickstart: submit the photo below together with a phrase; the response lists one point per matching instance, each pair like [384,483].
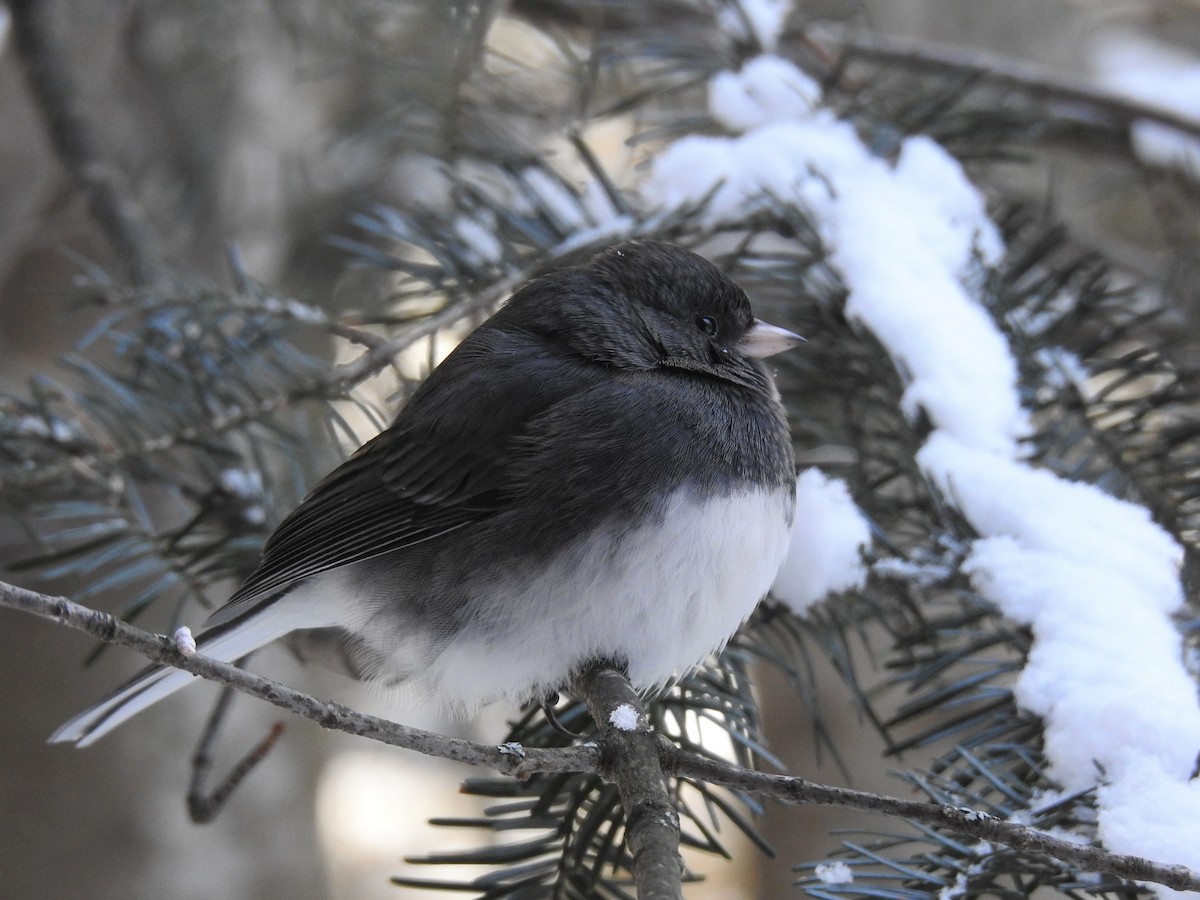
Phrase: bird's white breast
[662,596]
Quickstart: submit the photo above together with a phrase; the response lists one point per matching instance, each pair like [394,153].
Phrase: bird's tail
[230,640]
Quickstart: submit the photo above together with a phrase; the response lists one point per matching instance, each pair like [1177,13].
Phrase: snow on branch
[1096,579]
[604,692]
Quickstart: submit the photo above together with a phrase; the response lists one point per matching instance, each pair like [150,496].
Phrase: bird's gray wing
[442,465]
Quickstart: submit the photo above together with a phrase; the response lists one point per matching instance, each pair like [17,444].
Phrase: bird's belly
[660,596]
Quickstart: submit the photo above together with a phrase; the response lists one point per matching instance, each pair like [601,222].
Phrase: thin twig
[202,759]
[204,805]
[506,759]
[791,790]
[520,762]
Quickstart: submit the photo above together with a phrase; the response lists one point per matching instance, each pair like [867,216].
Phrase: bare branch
[517,761]
[620,752]
[795,791]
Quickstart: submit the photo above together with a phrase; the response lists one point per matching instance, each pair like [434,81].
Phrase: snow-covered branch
[627,752]
[964,820]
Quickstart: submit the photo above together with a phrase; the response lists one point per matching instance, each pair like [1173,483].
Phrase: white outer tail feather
[308,606]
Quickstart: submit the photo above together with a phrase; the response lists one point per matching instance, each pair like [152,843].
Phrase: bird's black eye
[707,324]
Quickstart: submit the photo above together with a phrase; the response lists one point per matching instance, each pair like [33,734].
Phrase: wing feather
[444,464]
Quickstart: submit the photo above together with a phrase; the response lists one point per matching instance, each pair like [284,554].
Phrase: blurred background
[268,125]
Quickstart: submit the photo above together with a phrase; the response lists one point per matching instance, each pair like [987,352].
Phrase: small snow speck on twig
[185,643]
[624,718]
[836,872]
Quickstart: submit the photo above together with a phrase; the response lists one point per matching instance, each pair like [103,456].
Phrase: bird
[601,471]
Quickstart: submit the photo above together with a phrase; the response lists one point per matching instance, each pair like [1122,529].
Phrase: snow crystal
[767,89]
[184,641]
[836,872]
[479,238]
[38,427]
[828,535]
[923,573]
[765,19]
[555,197]
[30,426]
[1062,368]
[624,718]
[244,483]
[1160,76]
[616,229]
[303,312]
[598,203]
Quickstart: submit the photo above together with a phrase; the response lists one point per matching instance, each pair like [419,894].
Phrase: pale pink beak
[764,340]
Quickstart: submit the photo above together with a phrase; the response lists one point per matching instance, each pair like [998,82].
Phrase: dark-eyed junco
[601,470]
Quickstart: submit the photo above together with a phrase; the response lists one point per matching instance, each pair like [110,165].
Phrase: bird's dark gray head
[647,304]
